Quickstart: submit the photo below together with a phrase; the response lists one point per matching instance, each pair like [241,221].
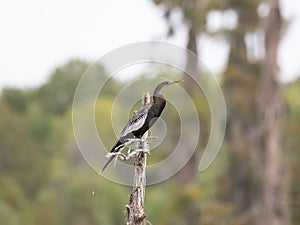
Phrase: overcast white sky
[36,36]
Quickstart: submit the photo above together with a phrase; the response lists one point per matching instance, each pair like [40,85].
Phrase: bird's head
[162,85]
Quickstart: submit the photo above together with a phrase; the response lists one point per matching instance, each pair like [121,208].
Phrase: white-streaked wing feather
[137,120]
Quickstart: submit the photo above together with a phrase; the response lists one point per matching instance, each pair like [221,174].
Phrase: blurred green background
[254,179]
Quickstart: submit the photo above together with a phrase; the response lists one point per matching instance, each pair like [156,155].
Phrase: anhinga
[142,120]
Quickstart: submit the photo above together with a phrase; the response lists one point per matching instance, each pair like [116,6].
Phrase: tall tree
[255,117]
[271,114]
[194,16]
[254,102]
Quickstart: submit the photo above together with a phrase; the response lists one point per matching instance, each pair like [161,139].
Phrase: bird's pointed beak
[176,82]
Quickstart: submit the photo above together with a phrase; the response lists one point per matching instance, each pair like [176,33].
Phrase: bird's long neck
[159,103]
[159,99]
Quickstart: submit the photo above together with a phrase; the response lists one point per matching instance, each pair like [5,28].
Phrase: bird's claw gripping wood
[134,145]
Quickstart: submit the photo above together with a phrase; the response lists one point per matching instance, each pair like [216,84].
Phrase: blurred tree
[254,100]
[255,118]
[43,177]
[292,143]
[56,96]
[20,158]
[39,124]
[193,14]
[271,114]
[15,98]
[8,216]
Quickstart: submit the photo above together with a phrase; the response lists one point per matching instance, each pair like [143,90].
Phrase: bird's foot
[135,146]
[120,155]
[109,154]
[132,141]
[150,138]
[135,152]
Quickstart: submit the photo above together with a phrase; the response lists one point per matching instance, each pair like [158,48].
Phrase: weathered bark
[135,209]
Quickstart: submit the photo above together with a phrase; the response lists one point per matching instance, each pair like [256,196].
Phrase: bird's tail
[107,162]
[114,149]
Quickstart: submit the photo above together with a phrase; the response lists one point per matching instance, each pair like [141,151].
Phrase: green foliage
[8,216]
[103,120]
[44,179]
[240,87]
[39,124]
[12,194]
[56,96]
[16,99]
[20,155]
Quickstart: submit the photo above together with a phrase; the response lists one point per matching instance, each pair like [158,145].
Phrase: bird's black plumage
[142,120]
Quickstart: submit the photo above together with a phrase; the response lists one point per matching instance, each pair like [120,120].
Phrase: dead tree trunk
[135,209]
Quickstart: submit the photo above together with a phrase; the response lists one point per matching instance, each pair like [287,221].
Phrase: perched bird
[142,120]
